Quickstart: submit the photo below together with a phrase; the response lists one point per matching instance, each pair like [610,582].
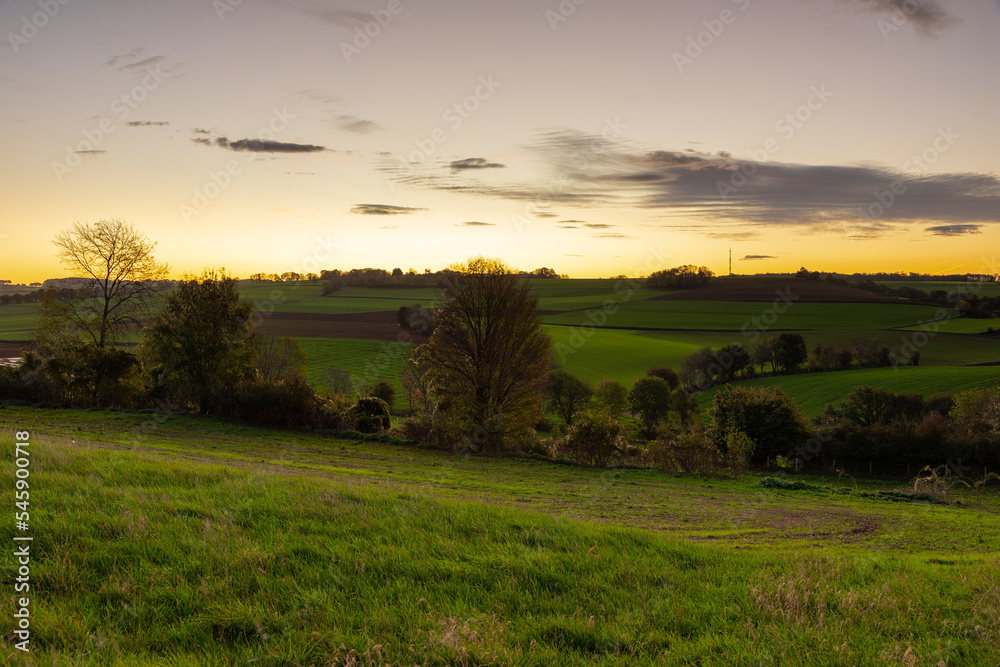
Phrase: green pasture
[812,392]
[981,289]
[17,320]
[749,316]
[367,361]
[938,350]
[961,325]
[183,541]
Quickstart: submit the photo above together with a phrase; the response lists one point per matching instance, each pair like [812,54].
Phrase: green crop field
[961,325]
[189,541]
[937,350]
[367,361]
[812,392]
[737,315]
[982,289]
[17,320]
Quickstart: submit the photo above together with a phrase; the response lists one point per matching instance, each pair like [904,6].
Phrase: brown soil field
[374,326]
[766,289]
[11,348]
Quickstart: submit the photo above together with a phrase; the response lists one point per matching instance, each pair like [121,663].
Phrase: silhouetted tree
[488,356]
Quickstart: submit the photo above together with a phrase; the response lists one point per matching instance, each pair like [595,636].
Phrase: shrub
[767,416]
[739,449]
[594,438]
[611,395]
[383,389]
[370,415]
[691,451]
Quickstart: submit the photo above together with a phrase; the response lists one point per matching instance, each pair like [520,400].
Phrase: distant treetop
[680,277]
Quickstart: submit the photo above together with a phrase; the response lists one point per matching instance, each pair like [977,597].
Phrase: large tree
[203,344]
[488,357]
[116,276]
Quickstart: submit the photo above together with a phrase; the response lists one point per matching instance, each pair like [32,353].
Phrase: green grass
[17,320]
[594,354]
[741,315]
[938,350]
[367,361]
[813,391]
[982,289]
[203,543]
[962,325]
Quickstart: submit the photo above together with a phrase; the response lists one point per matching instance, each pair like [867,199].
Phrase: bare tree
[118,276]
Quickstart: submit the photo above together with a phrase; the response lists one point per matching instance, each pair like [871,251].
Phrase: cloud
[613,236]
[383,209]
[348,18]
[734,196]
[598,225]
[476,224]
[90,152]
[925,16]
[954,230]
[259,145]
[390,227]
[136,62]
[199,130]
[747,258]
[357,125]
[147,123]
[475,163]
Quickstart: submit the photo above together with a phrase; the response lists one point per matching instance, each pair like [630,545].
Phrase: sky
[593,137]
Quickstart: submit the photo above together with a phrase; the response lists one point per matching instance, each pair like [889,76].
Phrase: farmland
[617,329]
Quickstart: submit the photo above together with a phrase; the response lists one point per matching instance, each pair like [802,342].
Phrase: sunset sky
[590,136]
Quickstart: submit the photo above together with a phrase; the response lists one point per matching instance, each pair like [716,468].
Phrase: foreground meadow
[167,540]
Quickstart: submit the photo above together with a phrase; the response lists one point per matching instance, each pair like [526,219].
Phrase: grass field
[367,361]
[937,350]
[963,325]
[813,391]
[17,320]
[195,542]
[736,315]
[982,289]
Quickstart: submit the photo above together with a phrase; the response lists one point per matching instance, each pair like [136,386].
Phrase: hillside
[767,289]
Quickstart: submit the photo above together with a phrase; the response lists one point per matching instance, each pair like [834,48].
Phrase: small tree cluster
[680,277]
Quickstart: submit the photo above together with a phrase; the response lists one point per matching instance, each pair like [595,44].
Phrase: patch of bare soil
[374,326]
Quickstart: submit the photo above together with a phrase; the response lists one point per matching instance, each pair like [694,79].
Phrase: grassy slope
[982,289]
[938,350]
[146,557]
[961,325]
[737,315]
[366,360]
[17,320]
[813,391]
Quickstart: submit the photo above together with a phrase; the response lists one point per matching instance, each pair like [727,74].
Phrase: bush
[288,404]
[691,451]
[383,389]
[594,438]
[739,450]
[370,415]
[767,416]
[611,395]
